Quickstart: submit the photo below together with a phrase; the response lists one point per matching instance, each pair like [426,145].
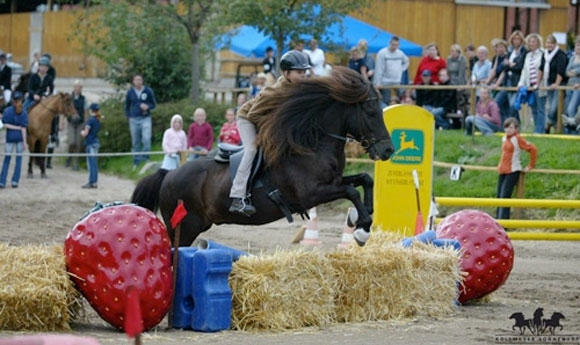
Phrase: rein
[54,112]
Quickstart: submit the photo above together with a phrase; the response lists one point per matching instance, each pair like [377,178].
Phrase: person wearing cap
[90,133]
[432,100]
[5,78]
[75,124]
[51,71]
[40,84]
[139,102]
[15,119]
[432,62]
[269,62]
[294,65]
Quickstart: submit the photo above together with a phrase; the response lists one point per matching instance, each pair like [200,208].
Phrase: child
[200,135]
[294,65]
[15,120]
[258,84]
[229,132]
[510,166]
[90,133]
[174,140]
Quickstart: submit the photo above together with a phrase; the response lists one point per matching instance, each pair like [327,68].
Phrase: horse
[40,118]
[553,322]
[302,138]
[538,324]
[522,323]
[22,84]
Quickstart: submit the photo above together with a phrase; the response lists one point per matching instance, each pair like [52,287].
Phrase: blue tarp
[249,42]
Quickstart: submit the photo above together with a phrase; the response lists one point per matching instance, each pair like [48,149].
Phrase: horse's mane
[294,126]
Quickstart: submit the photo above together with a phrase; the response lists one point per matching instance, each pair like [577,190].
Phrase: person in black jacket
[5,79]
[447,100]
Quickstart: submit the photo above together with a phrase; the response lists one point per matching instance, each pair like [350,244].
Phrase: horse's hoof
[361,237]
[351,217]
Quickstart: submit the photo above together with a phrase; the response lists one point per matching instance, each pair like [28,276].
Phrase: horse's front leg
[364,221]
[30,158]
[366,181]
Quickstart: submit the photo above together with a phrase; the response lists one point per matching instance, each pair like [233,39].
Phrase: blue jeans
[505,188]
[484,125]
[539,114]
[552,107]
[505,100]
[8,149]
[140,128]
[439,114]
[92,151]
[572,102]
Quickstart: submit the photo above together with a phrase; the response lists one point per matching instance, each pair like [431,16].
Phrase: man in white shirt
[317,58]
[390,65]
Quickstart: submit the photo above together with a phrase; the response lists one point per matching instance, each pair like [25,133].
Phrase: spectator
[317,58]
[258,83]
[174,141]
[390,65]
[554,75]
[429,100]
[456,66]
[5,78]
[498,64]
[445,99]
[573,74]
[75,125]
[510,166]
[363,46]
[532,78]
[91,135]
[15,120]
[34,63]
[357,62]
[139,102]
[240,100]
[200,135]
[229,133]
[408,97]
[394,100]
[432,62]
[487,118]
[269,62]
[482,68]
[516,54]
[471,56]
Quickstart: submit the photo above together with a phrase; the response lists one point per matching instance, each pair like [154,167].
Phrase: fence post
[561,96]
[182,157]
[520,193]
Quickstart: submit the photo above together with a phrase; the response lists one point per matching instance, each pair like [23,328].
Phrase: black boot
[49,159]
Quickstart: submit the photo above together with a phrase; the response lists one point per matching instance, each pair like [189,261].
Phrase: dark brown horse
[40,119]
[303,141]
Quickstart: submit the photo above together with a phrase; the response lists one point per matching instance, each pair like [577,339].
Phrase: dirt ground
[545,274]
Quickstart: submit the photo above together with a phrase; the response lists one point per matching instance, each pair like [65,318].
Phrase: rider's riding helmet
[17,95]
[294,59]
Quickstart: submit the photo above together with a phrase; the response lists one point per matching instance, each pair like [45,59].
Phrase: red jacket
[434,65]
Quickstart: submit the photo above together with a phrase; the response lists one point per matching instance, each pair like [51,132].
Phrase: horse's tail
[146,193]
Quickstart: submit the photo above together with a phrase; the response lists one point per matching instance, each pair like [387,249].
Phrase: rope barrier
[103,154]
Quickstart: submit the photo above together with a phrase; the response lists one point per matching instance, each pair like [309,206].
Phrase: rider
[294,65]
[39,84]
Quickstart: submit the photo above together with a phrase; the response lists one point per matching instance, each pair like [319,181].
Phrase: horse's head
[517,316]
[557,316]
[67,106]
[368,127]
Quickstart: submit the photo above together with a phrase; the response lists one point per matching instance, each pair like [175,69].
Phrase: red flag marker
[178,215]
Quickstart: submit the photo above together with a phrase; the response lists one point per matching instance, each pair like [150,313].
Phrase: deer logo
[406,144]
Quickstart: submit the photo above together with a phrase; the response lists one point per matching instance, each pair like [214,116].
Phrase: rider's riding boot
[49,159]
[243,206]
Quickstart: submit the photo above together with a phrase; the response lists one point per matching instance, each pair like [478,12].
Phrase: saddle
[232,155]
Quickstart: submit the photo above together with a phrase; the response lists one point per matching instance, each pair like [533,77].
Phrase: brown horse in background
[40,119]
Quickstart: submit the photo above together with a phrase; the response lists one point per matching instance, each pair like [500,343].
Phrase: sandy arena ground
[545,274]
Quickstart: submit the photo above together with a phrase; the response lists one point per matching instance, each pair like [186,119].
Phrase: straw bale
[36,293]
[385,281]
[285,290]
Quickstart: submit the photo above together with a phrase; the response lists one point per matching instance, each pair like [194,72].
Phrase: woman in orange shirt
[510,165]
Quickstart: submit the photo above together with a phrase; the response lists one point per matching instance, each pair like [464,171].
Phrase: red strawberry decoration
[116,249]
[487,252]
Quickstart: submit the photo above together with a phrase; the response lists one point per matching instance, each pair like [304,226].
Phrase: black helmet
[294,59]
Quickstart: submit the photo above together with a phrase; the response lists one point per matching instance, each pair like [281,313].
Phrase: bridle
[366,143]
[54,112]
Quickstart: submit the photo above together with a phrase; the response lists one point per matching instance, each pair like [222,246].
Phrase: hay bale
[286,290]
[36,293]
[385,281]
[381,281]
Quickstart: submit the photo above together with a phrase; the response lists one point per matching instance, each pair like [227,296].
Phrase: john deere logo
[409,146]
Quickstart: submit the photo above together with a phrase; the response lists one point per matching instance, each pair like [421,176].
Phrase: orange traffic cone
[311,233]
[348,230]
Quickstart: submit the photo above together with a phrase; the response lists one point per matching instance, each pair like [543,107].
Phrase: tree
[161,40]
[283,20]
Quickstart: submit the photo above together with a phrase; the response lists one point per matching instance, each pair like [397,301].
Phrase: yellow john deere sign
[395,197]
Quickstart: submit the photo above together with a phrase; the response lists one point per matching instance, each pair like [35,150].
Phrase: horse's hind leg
[30,167]
[190,228]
